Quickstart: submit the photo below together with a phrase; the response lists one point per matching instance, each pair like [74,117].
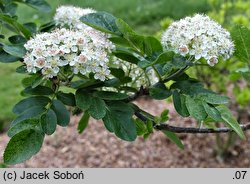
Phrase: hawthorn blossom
[85,51]
[200,37]
[69,17]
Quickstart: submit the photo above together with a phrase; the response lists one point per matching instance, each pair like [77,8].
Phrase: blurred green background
[143,15]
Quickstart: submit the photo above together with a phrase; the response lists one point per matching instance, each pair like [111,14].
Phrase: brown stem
[191,130]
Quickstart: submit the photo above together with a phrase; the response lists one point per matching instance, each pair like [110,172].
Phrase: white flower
[199,36]
[68,47]
[69,17]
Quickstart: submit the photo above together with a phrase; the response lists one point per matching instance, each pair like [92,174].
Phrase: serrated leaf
[144,63]
[159,91]
[66,98]
[228,118]
[30,102]
[62,114]
[23,125]
[97,108]
[48,122]
[164,115]
[118,119]
[180,104]
[17,39]
[109,95]
[213,98]
[40,5]
[38,80]
[141,127]
[123,27]
[241,37]
[195,108]
[102,21]
[39,90]
[152,46]
[126,56]
[15,50]
[117,72]
[7,58]
[21,69]
[23,146]
[33,112]
[83,99]
[164,57]
[212,112]
[174,138]
[83,123]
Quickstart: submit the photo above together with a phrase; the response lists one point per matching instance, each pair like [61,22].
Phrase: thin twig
[176,74]
[192,130]
[141,92]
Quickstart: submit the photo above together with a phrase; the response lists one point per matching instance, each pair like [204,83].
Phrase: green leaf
[164,116]
[38,80]
[31,27]
[195,108]
[85,83]
[174,138]
[102,21]
[83,123]
[14,24]
[241,37]
[126,55]
[23,125]
[109,95]
[152,46]
[97,108]
[123,27]
[144,63]
[30,102]
[47,27]
[21,69]
[212,112]
[213,98]
[164,57]
[23,146]
[10,9]
[141,127]
[39,90]
[83,99]
[62,114]
[15,50]
[17,39]
[40,5]
[230,120]
[159,91]
[66,98]
[33,112]
[180,104]
[150,127]
[7,58]
[120,41]
[48,122]
[118,119]
[117,72]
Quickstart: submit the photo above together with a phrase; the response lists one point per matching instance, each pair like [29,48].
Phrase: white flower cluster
[199,36]
[69,17]
[85,51]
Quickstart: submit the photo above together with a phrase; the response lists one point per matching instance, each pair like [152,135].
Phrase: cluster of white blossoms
[200,37]
[69,17]
[85,51]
